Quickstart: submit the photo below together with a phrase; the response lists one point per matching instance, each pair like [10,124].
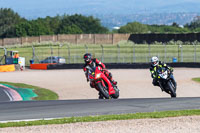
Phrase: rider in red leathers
[89,61]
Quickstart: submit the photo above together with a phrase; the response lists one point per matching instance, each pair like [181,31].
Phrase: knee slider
[110,75]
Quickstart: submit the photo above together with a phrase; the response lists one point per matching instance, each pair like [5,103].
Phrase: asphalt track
[3,95]
[26,110]
[143,97]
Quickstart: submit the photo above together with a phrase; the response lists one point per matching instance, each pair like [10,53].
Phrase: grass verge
[103,118]
[196,79]
[43,94]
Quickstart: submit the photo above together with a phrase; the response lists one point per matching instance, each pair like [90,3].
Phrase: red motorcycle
[102,83]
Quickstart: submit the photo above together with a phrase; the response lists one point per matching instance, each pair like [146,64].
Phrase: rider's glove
[153,76]
[171,69]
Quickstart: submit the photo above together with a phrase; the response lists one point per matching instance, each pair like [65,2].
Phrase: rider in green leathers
[155,64]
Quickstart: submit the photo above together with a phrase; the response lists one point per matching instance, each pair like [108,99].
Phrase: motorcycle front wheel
[116,95]
[103,90]
[171,89]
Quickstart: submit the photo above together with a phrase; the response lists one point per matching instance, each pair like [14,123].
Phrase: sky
[39,8]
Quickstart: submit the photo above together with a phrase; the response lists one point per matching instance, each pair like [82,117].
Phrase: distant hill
[110,11]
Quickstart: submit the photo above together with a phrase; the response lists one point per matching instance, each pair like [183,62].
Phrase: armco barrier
[122,65]
[42,66]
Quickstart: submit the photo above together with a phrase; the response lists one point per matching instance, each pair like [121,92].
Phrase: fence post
[195,52]
[3,42]
[102,53]
[94,38]
[34,55]
[165,52]
[40,39]
[112,38]
[134,57]
[178,54]
[5,54]
[180,46]
[59,50]
[149,46]
[69,58]
[51,53]
[33,52]
[76,39]
[165,47]
[21,40]
[118,55]
[60,45]
[86,48]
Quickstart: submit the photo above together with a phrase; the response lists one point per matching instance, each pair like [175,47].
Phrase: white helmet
[154,61]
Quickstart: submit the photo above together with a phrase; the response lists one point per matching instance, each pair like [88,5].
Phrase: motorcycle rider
[155,63]
[90,61]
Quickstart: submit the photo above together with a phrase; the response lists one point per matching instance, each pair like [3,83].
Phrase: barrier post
[149,46]
[134,57]
[102,53]
[86,48]
[165,51]
[51,53]
[68,53]
[181,52]
[118,54]
[195,51]
[178,54]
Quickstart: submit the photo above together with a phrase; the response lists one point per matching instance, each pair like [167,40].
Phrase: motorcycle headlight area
[163,75]
[98,76]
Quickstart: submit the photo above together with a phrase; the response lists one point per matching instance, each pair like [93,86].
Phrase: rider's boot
[155,82]
[100,96]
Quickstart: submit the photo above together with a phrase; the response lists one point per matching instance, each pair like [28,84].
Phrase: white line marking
[8,94]
[32,119]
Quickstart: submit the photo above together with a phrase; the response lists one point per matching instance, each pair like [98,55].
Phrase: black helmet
[87,57]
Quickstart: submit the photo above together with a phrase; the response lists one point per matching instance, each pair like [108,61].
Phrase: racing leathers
[154,74]
[96,62]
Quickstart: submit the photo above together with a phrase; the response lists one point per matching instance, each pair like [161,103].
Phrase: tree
[166,29]
[22,28]
[54,23]
[194,24]
[70,29]
[39,27]
[86,24]
[174,24]
[8,20]
[134,27]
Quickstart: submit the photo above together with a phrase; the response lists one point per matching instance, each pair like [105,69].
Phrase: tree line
[13,25]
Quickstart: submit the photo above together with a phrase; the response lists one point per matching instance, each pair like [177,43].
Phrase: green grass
[196,79]
[103,118]
[124,52]
[43,94]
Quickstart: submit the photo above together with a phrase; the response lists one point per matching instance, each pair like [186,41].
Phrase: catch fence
[125,53]
[109,53]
